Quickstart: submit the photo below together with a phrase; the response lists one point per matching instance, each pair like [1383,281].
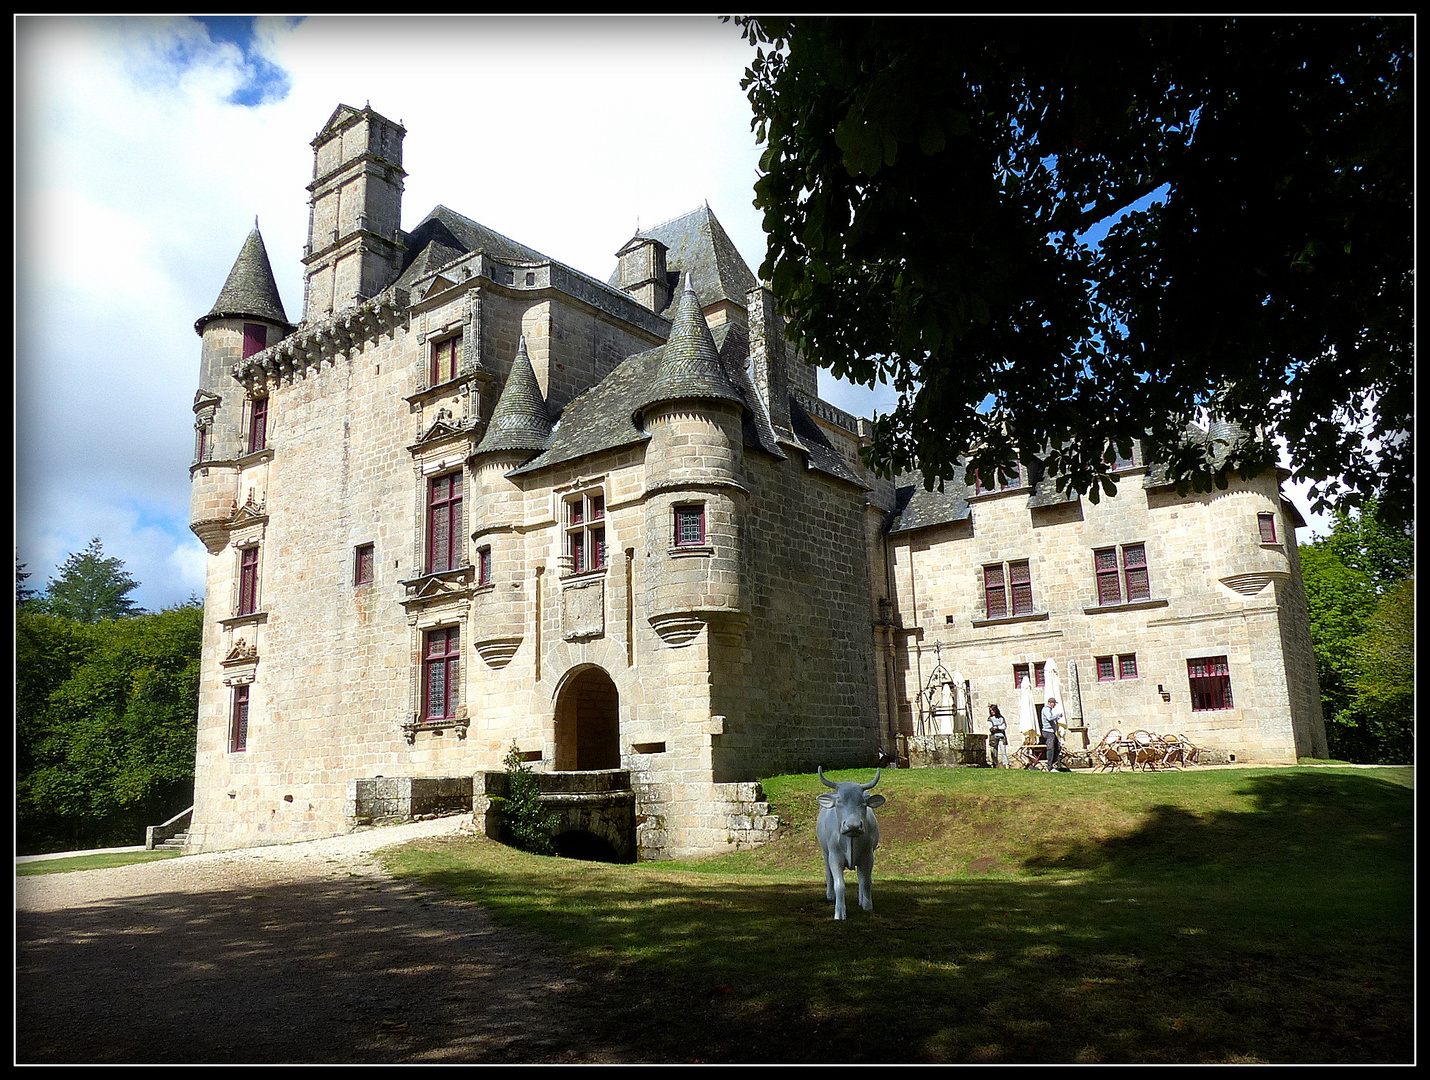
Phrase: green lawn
[90,862]
[1215,915]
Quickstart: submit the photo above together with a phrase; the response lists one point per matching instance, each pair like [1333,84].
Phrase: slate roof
[250,290]
[519,419]
[444,235]
[689,365]
[698,244]
[915,508]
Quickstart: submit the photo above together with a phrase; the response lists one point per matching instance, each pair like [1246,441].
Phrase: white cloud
[138,179]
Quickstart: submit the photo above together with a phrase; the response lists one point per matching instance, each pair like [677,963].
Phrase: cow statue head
[848,834]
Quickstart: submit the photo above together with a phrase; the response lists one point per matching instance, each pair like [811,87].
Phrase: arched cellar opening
[587,846]
[588,722]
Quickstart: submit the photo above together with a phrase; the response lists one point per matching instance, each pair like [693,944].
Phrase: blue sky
[145,148]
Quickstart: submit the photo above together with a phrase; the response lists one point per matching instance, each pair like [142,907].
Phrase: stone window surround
[238,718]
[257,435]
[682,513]
[1008,586]
[1211,689]
[1117,666]
[359,550]
[593,526]
[1119,574]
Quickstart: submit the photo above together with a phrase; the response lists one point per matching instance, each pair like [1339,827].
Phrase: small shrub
[526,824]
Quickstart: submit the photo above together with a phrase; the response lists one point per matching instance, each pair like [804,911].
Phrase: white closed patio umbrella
[1027,711]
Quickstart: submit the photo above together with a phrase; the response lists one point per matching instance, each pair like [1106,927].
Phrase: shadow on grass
[1277,934]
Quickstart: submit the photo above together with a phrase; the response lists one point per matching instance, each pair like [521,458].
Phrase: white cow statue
[848,832]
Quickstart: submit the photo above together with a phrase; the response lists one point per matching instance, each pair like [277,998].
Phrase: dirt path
[295,954]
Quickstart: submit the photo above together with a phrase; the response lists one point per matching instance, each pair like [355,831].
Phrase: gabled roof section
[697,244]
[445,235]
[519,419]
[250,291]
[343,114]
[689,365]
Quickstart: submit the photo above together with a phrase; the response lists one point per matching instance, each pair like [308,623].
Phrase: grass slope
[1206,916]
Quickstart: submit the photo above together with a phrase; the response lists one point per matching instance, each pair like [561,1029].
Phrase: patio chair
[1107,754]
[1146,750]
[1190,750]
[1173,755]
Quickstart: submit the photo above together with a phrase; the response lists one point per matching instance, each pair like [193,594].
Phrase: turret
[695,503]
[518,429]
[246,318]
[355,208]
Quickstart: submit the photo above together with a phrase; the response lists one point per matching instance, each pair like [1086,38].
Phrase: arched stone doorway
[588,722]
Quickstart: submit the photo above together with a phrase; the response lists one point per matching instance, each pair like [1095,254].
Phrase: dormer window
[1012,479]
[444,359]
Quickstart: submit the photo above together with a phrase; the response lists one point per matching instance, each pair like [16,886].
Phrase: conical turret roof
[250,291]
[519,420]
[689,365]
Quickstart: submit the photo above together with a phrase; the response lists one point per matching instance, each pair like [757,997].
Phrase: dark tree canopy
[928,190]
[91,587]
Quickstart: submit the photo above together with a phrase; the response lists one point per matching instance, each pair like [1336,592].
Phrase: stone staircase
[172,835]
[177,842]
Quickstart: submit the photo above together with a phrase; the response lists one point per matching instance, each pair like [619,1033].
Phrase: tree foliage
[525,822]
[90,587]
[106,718]
[932,189]
[1360,594]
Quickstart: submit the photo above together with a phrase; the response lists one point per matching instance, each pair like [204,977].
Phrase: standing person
[1048,720]
[997,738]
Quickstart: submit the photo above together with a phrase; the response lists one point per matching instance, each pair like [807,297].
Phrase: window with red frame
[248,581]
[1267,524]
[203,440]
[238,721]
[1012,479]
[1034,674]
[1121,578]
[444,359]
[444,522]
[258,425]
[995,592]
[484,565]
[441,671]
[1000,587]
[255,339]
[364,564]
[690,525]
[586,531]
[1110,669]
[1209,678]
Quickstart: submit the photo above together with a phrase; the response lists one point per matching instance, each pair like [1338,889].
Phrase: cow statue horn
[829,783]
[872,782]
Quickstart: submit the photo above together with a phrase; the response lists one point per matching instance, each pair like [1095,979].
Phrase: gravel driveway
[292,954]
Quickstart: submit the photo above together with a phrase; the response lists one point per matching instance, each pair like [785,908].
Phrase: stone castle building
[476,498]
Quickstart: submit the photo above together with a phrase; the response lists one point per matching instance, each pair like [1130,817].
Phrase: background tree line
[1360,587]
[106,707]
